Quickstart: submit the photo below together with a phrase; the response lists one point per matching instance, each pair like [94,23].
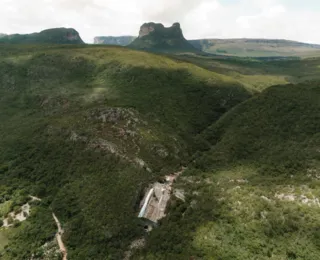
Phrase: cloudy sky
[285,19]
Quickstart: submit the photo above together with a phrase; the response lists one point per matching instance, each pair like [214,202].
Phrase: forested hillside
[86,129]
[252,191]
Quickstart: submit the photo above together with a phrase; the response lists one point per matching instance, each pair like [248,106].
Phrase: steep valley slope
[252,191]
[88,128]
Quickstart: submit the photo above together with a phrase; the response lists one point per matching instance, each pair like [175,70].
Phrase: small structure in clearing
[155,201]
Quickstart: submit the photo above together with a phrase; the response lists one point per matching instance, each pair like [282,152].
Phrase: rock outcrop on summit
[156,37]
[52,36]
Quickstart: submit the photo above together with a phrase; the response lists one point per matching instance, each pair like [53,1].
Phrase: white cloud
[268,16]
[199,18]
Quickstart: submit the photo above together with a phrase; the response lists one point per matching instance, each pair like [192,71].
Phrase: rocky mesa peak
[148,28]
[63,35]
[48,36]
[156,37]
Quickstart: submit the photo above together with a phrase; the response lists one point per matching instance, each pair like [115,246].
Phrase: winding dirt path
[62,247]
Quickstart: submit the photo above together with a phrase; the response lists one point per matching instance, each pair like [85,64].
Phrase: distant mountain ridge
[114,40]
[255,47]
[156,37]
[54,36]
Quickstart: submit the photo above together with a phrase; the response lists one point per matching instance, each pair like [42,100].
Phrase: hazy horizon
[221,19]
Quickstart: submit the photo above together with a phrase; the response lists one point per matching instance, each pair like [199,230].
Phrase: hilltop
[114,40]
[53,36]
[256,47]
[156,37]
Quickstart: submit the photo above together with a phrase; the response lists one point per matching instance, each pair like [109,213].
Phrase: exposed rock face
[54,36]
[71,36]
[114,40]
[145,30]
[156,37]
[171,32]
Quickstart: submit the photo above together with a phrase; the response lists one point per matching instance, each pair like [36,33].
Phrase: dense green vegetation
[259,74]
[288,132]
[253,191]
[88,128]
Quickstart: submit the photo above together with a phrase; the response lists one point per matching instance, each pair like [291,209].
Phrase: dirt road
[62,247]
